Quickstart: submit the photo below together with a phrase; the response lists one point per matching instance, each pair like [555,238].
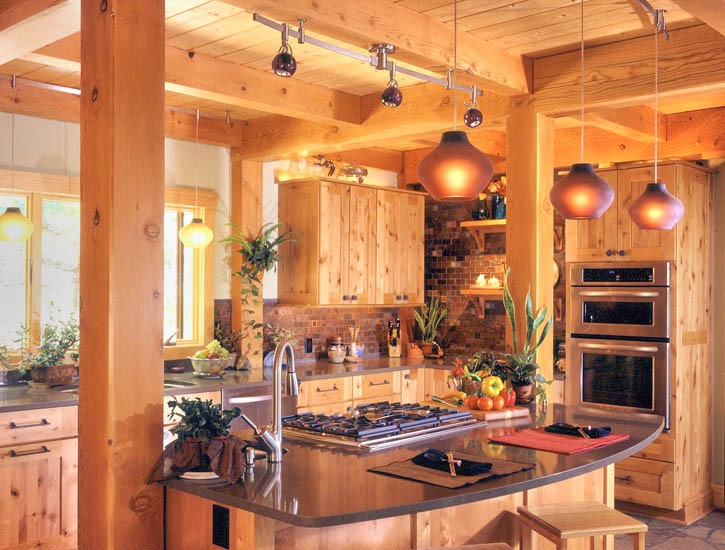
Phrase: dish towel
[406,469]
[556,443]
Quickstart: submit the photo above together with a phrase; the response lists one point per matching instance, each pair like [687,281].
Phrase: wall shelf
[479,228]
[479,297]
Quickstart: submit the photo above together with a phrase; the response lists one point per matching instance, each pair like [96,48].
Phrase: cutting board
[488,416]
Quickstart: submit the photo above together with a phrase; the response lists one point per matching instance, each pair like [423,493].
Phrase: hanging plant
[259,254]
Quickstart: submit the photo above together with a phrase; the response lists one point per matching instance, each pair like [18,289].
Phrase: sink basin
[170,383]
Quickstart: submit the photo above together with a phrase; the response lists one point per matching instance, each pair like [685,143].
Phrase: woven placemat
[556,443]
[407,470]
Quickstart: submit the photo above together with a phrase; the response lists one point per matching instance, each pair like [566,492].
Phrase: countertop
[321,485]
[20,397]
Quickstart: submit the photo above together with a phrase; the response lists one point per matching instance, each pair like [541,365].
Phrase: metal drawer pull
[625,478]
[620,293]
[16,426]
[333,388]
[620,347]
[43,449]
[383,383]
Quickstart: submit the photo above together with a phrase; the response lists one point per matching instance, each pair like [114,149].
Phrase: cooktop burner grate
[377,425]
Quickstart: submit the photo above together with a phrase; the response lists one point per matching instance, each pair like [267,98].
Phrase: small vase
[524,394]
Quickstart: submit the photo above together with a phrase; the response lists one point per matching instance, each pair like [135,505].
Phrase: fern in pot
[521,365]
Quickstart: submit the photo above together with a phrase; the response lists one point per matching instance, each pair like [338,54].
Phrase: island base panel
[492,520]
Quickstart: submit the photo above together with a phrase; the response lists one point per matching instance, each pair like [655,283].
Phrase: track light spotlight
[284,63]
[473,116]
[392,96]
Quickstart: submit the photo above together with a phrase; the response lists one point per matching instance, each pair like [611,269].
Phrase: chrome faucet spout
[283,349]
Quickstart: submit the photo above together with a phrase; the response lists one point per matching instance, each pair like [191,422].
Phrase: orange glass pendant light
[14,227]
[455,170]
[581,194]
[656,208]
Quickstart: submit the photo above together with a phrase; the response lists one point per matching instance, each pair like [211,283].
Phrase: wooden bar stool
[560,522]
[481,546]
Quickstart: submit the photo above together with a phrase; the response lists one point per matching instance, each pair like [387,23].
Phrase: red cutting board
[488,416]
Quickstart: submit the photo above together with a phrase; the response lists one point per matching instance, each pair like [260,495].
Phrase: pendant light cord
[13,83]
[581,52]
[455,64]
[656,102]
[196,168]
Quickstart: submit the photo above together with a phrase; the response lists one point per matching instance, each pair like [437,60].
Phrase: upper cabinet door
[362,248]
[643,244]
[594,240]
[388,249]
[334,218]
[412,270]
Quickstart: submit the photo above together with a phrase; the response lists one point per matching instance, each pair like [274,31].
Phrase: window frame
[36,187]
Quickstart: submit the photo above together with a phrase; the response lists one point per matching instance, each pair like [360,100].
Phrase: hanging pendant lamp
[455,170]
[581,194]
[656,208]
[14,227]
[196,234]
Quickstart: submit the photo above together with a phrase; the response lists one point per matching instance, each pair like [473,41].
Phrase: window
[39,279]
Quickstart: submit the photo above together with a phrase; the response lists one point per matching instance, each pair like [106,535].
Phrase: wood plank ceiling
[232,53]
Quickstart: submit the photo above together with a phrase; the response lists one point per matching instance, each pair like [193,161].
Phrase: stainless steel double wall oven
[619,328]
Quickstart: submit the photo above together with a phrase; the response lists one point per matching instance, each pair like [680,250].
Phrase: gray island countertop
[322,485]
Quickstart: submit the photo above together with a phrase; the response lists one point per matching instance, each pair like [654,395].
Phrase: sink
[171,383]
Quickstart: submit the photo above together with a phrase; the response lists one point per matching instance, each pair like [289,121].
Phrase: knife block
[395,347]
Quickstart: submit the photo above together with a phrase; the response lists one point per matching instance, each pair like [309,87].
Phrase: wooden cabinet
[339,250]
[39,478]
[400,232]
[614,237]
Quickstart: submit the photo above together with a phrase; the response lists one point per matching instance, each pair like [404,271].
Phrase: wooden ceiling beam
[622,73]
[56,105]
[426,108]
[710,12]
[635,123]
[420,40]
[26,25]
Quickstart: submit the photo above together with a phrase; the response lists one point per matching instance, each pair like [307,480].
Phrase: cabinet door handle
[625,478]
[333,388]
[16,426]
[622,253]
[405,297]
[346,298]
[354,297]
[383,383]
[610,252]
[398,297]
[43,449]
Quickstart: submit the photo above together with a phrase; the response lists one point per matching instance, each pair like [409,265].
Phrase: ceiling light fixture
[656,208]
[196,234]
[455,170]
[284,63]
[473,116]
[581,194]
[392,96]
[14,227]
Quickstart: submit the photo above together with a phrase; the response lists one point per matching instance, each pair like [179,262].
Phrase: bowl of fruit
[211,360]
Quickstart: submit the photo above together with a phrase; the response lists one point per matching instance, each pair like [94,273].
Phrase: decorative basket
[57,375]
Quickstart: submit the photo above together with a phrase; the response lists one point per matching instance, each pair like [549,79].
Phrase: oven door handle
[622,293]
[619,347]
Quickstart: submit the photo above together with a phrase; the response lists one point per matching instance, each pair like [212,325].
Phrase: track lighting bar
[373,60]
[658,18]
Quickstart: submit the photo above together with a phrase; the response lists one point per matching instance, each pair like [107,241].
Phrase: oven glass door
[632,376]
[621,312]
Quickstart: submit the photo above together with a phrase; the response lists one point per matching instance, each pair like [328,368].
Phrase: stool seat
[559,522]
[481,546]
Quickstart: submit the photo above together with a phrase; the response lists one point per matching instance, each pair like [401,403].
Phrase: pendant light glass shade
[455,170]
[656,208]
[196,234]
[14,227]
[581,194]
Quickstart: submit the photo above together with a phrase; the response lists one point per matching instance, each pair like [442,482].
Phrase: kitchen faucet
[271,436]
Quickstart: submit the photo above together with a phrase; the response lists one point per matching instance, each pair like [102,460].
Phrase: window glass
[60,269]
[12,281]
[178,278]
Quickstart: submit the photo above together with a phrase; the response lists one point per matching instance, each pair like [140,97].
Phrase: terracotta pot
[524,394]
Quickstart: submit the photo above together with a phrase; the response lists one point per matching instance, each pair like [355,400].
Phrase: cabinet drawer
[663,448]
[321,392]
[327,408]
[38,425]
[375,386]
[649,482]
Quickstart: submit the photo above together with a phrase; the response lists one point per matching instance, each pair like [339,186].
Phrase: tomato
[471,402]
[485,403]
[499,402]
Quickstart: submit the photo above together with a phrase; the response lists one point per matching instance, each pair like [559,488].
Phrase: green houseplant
[521,368]
[47,362]
[259,254]
[200,419]
[429,318]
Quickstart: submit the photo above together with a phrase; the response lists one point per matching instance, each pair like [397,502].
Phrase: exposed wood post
[121,318]
[246,212]
[530,224]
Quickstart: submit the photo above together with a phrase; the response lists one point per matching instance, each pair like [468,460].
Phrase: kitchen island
[324,496]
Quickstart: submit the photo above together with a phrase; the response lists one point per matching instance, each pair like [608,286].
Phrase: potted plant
[429,318]
[259,254]
[229,340]
[521,368]
[47,363]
